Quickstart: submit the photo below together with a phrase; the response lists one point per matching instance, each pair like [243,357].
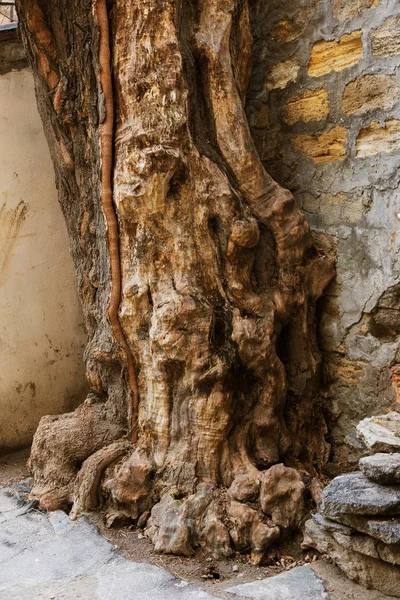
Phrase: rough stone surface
[313,104]
[352,540]
[327,147]
[382,433]
[355,494]
[382,467]
[331,526]
[327,56]
[386,530]
[367,570]
[368,92]
[244,488]
[282,73]
[297,584]
[347,9]
[385,40]
[375,138]
[288,29]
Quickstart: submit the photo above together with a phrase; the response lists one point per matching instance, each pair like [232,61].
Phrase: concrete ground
[46,556]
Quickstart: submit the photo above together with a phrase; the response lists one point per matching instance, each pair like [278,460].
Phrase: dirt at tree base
[13,467]
[213,575]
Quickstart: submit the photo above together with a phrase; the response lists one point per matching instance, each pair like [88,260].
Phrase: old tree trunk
[197,274]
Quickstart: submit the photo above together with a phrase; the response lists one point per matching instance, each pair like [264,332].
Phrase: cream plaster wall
[41,335]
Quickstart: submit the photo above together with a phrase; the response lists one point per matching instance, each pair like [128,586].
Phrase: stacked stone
[358,524]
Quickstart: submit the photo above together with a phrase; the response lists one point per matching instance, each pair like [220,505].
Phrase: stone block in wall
[332,210]
[375,138]
[347,9]
[292,27]
[259,118]
[368,92]
[327,56]
[282,73]
[396,381]
[312,105]
[327,147]
[385,40]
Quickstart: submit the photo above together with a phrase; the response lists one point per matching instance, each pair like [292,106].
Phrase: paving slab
[46,555]
[117,579]
[301,583]
[20,532]
[82,588]
[79,552]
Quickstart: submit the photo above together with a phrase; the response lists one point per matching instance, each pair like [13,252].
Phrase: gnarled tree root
[60,446]
[87,482]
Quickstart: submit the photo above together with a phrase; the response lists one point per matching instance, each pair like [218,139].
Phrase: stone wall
[324,108]
[41,335]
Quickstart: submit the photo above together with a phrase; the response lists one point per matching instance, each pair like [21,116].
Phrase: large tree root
[60,446]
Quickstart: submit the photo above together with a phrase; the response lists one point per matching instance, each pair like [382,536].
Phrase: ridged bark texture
[197,274]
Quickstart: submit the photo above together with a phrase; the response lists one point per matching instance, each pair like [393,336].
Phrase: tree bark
[197,274]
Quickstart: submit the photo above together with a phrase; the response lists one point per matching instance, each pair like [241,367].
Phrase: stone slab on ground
[117,579]
[353,493]
[46,555]
[298,584]
[382,467]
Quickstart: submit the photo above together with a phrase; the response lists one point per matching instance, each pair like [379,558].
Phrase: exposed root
[215,520]
[88,480]
[252,516]
[60,446]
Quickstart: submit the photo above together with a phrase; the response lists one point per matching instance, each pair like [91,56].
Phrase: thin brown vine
[106,142]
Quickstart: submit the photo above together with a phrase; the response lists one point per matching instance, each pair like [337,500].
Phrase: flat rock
[382,433]
[60,522]
[83,588]
[381,468]
[369,571]
[353,493]
[357,542]
[332,526]
[386,530]
[297,584]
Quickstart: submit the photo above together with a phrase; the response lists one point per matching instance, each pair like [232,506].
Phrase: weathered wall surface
[41,336]
[324,106]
